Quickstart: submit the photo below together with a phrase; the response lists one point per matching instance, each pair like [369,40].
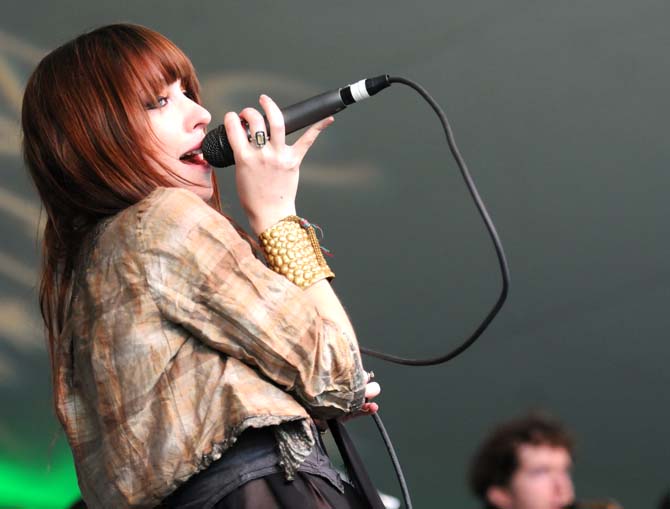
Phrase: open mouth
[193,157]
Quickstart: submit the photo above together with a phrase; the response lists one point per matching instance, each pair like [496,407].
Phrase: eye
[160,102]
[189,94]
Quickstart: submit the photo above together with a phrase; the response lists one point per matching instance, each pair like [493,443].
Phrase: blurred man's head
[525,464]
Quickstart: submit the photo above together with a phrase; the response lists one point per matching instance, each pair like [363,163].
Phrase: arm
[205,279]
[267,181]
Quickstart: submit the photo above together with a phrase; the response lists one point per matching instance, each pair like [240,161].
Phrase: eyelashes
[162,101]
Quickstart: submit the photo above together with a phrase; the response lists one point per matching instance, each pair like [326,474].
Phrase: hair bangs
[152,62]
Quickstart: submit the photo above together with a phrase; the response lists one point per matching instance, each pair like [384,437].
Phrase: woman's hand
[372,390]
[267,177]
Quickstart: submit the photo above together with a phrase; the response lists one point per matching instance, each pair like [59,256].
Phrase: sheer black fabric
[305,491]
[249,475]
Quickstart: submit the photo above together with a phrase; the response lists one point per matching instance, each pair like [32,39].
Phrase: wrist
[268,218]
[292,249]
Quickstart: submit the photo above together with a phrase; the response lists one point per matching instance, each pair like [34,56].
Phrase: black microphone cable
[490,227]
[504,269]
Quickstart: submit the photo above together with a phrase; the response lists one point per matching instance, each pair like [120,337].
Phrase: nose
[197,117]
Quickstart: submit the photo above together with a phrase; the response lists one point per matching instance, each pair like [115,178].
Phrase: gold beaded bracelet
[292,249]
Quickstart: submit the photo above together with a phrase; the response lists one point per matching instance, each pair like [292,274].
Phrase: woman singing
[186,372]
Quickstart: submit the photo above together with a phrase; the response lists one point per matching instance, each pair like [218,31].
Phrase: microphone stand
[354,464]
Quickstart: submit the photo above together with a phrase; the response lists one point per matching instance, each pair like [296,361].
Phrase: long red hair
[86,139]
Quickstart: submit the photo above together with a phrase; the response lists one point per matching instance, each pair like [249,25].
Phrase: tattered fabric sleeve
[203,276]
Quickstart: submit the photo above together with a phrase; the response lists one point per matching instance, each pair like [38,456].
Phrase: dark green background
[560,109]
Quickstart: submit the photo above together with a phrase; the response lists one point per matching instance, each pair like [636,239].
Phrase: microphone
[217,150]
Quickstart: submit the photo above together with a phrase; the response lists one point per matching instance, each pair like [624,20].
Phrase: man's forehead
[530,455]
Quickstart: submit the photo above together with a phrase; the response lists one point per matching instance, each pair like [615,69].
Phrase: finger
[255,121]
[309,137]
[370,408]
[372,390]
[366,409]
[275,120]
[237,135]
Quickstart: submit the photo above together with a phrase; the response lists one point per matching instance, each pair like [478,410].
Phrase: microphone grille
[216,149]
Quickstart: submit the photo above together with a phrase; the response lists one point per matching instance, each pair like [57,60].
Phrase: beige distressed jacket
[177,340]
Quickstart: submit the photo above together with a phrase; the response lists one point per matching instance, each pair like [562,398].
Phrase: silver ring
[260,139]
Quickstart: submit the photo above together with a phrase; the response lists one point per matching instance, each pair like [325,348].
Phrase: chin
[205,193]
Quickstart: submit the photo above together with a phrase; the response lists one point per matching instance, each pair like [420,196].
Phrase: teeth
[190,154]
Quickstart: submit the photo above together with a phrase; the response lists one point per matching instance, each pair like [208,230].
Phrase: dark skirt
[249,476]
[305,491]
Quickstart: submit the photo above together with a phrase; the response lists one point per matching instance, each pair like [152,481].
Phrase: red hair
[86,140]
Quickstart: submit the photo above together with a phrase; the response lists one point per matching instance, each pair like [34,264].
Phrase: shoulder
[174,208]
[177,211]
[173,218]
[165,212]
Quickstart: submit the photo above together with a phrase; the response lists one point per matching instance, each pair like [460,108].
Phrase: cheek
[160,141]
[162,135]
[158,159]
[161,150]
[532,489]
[568,486]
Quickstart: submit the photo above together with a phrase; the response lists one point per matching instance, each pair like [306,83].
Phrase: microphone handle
[311,110]
[216,147]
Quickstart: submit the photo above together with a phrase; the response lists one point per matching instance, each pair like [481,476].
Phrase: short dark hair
[496,459]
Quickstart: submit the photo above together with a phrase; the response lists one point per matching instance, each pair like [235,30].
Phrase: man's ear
[499,496]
